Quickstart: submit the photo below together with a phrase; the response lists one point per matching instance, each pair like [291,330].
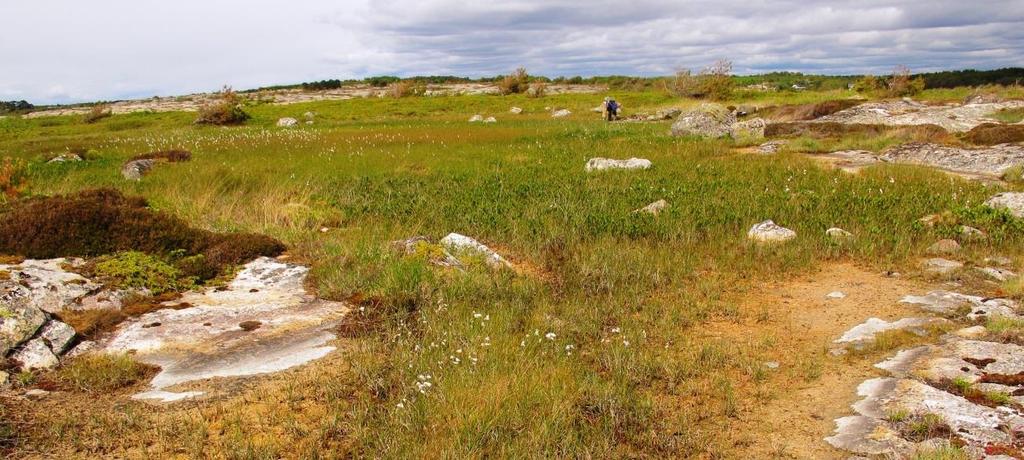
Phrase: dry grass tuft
[994,133]
[101,373]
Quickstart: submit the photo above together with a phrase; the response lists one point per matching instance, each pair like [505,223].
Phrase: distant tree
[516,83]
[15,106]
[226,109]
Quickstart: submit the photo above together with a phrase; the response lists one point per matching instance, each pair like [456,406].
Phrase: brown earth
[811,388]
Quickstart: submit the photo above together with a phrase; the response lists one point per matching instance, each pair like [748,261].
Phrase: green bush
[133,269]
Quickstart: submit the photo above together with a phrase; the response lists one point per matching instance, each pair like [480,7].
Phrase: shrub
[103,221]
[226,109]
[994,133]
[133,269]
[172,156]
[714,82]
[901,84]
[15,106]
[404,88]
[12,179]
[97,113]
[516,83]
[868,84]
[537,89]
[101,372]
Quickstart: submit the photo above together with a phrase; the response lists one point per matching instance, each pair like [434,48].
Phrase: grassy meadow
[595,350]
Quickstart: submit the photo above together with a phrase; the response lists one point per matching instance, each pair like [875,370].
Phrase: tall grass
[594,355]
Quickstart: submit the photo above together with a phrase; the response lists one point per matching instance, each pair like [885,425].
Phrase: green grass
[100,372]
[1009,115]
[625,372]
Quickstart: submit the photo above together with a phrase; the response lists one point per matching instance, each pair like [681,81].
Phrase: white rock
[1010,201]
[971,233]
[942,266]
[490,120]
[601,164]
[952,303]
[998,274]
[866,331]
[34,354]
[287,122]
[135,169]
[769,232]
[65,157]
[838,234]
[654,208]
[476,118]
[52,288]
[516,110]
[203,341]
[836,295]
[461,244]
[36,394]
[58,335]
[4,378]
[83,347]
[561,113]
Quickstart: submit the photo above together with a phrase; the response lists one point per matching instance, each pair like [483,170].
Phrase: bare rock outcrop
[993,160]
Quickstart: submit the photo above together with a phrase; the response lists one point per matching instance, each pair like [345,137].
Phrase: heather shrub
[12,179]
[103,221]
[713,82]
[225,110]
[994,133]
[97,113]
[517,82]
[172,156]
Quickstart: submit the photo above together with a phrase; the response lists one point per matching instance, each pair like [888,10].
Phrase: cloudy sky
[73,50]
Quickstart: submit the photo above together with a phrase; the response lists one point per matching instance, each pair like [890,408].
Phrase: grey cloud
[61,50]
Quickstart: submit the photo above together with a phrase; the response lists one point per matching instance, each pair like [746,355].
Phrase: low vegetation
[103,221]
[13,179]
[225,109]
[599,349]
[101,373]
[994,133]
[1009,115]
[97,113]
[515,83]
[713,82]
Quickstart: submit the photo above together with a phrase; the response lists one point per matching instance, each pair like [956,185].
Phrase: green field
[595,350]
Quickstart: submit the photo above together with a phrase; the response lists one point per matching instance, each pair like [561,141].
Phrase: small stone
[971,233]
[36,394]
[998,274]
[771,147]
[4,378]
[249,325]
[836,295]
[324,229]
[308,116]
[971,332]
[930,220]
[287,122]
[561,113]
[1013,202]
[771,365]
[945,246]
[35,355]
[998,260]
[769,232]
[515,110]
[134,170]
[654,208]
[600,164]
[942,266]
[490,120]
[838,234]
[58,335]
[65,157]
[476,118]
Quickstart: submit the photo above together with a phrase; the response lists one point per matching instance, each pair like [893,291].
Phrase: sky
[60,51]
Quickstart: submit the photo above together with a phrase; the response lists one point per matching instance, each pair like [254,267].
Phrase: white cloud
[107,49]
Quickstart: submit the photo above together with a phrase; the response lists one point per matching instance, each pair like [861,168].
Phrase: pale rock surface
[601,164]
[287,122]
[1010,201]
[135,169]
[58,335]
[952,117]
[704,120]
[561,113]
[205,340]
[34,354]
[771,147]
[996,273]
[952,303]
[864,333]
[945,246]
[993,160]
[20,319]
[654,208]
[942,266]
[769,232]
[52,288]
[838,234]
[457,245]
[476,118]
[516,110]
[753,128]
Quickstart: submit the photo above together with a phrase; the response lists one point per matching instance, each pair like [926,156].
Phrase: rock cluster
[704,120]
[29,295]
